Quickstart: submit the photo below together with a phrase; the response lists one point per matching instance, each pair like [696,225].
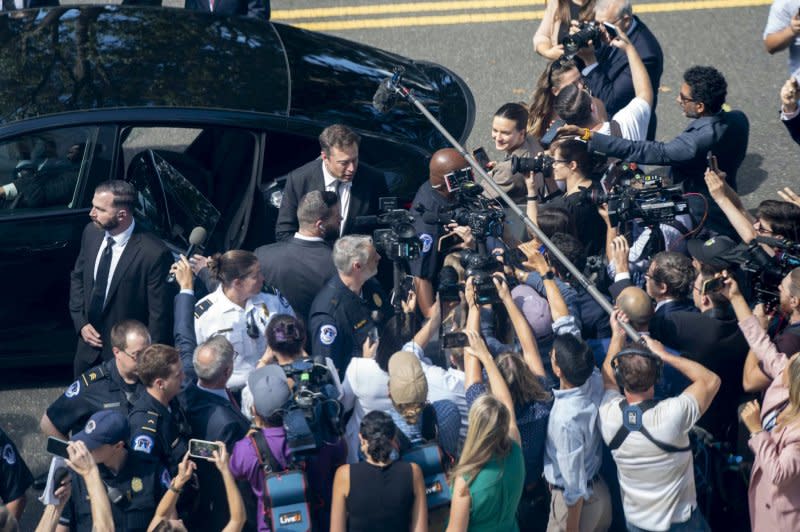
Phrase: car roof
[76,58]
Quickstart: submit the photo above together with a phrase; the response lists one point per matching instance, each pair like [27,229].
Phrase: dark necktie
[100,284]
[232,399]
[8,5]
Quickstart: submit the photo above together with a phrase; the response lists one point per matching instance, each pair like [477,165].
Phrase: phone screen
[457,339]
[202,449]
[713,285]
[611,29]
[57,447]
[481,157]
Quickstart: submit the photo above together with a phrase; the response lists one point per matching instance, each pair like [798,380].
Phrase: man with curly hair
[724,133]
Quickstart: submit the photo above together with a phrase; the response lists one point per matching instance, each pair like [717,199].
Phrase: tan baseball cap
[407,383]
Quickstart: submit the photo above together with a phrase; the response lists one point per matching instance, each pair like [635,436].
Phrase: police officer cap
[105,427]
[269,388]
[443,162]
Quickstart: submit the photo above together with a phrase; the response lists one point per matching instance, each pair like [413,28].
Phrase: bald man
[638,306]
[432,198]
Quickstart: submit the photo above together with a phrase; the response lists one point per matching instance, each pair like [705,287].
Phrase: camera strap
[633,421]
[265,457]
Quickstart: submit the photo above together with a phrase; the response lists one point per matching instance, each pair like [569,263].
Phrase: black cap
[710,251]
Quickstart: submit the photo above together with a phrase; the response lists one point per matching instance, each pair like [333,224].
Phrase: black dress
[381,497]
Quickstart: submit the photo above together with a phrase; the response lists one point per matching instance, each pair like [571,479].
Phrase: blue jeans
[695,523]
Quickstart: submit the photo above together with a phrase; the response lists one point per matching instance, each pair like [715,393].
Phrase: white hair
[350,249]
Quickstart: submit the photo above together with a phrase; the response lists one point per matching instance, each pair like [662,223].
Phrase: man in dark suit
[607,72]
[300,266]
[724,133]
[669,281]
[334,171]
[120,273]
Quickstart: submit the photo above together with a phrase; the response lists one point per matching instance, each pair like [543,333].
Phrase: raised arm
[704,382]
[81,461]
[235,502]
[166,507]
[477,349]
[530,352]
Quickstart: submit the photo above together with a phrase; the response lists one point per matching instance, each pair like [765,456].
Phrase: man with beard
[334,171]
[120,273]
[300,266]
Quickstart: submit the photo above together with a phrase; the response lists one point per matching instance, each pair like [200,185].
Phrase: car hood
[102,57]
[334,80]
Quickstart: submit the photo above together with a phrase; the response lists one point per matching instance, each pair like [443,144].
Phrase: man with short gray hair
[607,71]
[350,305]
[300,266]
[213,415]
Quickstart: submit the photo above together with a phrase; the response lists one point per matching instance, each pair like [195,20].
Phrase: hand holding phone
[612,31]
[482,158]
[456,339]
[202,449]
[57,447]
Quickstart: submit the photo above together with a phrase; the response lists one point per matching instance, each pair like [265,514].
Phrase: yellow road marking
[463,18]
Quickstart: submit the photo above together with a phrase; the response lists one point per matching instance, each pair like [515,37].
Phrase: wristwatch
[549,276]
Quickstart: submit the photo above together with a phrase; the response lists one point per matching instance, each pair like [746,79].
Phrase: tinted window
[42,170]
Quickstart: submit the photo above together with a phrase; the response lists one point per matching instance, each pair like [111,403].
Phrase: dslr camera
[541,163]
[587,31]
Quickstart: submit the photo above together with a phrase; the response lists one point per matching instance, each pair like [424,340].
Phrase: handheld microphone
[196,240]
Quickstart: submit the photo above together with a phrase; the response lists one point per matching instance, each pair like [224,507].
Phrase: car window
[189,177]
[42,171]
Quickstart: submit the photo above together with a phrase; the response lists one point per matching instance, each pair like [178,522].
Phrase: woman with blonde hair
[490,475]
[556,22]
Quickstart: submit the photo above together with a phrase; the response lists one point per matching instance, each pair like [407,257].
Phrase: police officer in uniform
[240,309]
[429,209]
[351,303]
[112,384]
[134,484]
[159,430]
[15,477]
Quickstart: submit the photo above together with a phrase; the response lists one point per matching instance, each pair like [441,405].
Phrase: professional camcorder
[398,242]
[480,267]
[634,195]
[587,31]
[312,415]
[766,272]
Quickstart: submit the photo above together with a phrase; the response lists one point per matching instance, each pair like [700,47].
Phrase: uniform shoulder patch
[202,307]
[95,374]
[73,390]
[427,242]
[327,334]
[143,443]
[9,456]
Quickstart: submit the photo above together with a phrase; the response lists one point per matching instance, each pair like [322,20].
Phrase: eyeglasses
[685,99]
[133,356]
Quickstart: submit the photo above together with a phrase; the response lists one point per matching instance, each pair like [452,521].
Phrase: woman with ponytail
[381,493]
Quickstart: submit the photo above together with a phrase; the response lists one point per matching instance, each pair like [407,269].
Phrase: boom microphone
[196,240]
[386,95]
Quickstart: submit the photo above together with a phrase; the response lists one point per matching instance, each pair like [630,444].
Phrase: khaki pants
[595,514]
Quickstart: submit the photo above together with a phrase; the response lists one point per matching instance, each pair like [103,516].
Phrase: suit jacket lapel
[92,249]
[127,258]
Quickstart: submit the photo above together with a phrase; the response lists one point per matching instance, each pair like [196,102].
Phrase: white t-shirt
[657,487]
[633,120]
[780,16]
[366,388]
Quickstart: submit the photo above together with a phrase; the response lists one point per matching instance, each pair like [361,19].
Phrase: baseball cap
[269,388]
[535,309]
[710,251]
[407,383]
[105,427]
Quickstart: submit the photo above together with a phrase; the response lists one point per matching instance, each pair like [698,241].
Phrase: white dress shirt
[120,241]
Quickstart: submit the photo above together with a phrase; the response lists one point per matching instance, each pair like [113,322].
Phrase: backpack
[286,505]
[431,459]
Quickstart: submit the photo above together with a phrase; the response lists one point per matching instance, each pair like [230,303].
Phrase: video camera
[399,241]
[766,272]
[480,267]
[634,195]
[587,31]
[313,414]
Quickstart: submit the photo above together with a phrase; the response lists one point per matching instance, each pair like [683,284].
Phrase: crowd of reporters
[487,388]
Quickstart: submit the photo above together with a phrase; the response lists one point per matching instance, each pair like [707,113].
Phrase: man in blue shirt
[573,450]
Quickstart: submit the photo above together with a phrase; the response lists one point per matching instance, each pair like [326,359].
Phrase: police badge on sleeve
[327,334]
[143,443]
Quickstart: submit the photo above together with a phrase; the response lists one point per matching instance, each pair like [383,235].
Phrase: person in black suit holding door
[120,273]
[334,171]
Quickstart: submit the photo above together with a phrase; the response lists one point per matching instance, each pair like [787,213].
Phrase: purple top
[244,465]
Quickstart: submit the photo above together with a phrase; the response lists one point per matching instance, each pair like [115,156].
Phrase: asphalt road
[488,43]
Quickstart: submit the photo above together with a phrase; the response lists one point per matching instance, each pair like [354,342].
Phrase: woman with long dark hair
[381,493]
[556,22]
